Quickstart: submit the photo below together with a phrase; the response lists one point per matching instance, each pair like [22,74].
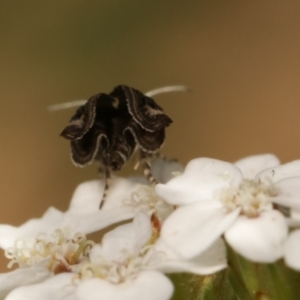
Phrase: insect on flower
[109,128]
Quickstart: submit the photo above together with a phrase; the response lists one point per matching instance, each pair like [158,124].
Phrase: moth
[109,128]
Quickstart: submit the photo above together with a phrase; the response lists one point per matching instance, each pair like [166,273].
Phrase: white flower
[146,200]
[41,257]
[25,276]
[83,214]
[214,198]
[47,223]
[292,250]
[63,250]
[59,287]
[294,219]
[132,194]
[25,246]
[291,253]
[128,265]
[287,179]
[148,285]
[127,195]
[252,165]
[118,268]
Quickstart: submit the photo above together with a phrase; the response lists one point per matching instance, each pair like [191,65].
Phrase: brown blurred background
[241,59]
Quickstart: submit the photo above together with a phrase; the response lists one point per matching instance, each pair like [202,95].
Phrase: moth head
[116,162]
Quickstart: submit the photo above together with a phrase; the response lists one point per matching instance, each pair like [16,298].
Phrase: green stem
[263,281]
[196,287]
[242,280]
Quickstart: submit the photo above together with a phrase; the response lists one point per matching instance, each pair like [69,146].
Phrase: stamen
[64,250]
[124,269]
[145,199]
[252,197]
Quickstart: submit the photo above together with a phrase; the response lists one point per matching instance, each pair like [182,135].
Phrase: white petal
[292,222]
[143,230]
[259,239]
[149,285]
[191,229]
[130,236]
[210,261]
[51,219]
[252,165]
[288,192]
[202,177]
[120,192]
[291,169]
[21,277]
[59,287]
[164,170]
[295,214]
[114,242]
[88,195]
[292,250]
[96,220]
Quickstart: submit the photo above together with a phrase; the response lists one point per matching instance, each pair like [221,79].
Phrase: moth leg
[136,158]
[147,168]
[147,172]
[106,187]
[136,165]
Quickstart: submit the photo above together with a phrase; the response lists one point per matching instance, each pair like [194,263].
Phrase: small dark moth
[108,128]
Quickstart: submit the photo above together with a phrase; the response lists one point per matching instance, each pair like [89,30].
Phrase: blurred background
[240,58]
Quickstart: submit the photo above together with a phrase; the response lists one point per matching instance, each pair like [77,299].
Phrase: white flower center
[64,250]
[146,200]
[126,267]
[252,197]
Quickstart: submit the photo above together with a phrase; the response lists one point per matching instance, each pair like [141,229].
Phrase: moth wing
[143,109]
[148,141]
[86,149]
[82,121]
[99,106]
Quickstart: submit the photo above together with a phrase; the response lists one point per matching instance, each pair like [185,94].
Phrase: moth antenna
[66,105]
[168,89]
[106,187]
[161,90]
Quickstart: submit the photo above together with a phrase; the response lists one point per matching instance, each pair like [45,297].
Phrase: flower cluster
[181,225]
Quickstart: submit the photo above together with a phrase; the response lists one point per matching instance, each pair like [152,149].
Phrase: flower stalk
[256,281]
[196,287]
